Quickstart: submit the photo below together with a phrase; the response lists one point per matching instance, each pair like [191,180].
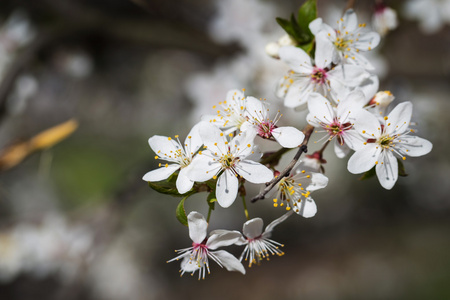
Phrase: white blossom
[258,244]
[384,19]
[226,161]
[196,258]
[384,141]
[344,44]
[306,77]
[179,156]
[294,191]
[257,114]
[431,14]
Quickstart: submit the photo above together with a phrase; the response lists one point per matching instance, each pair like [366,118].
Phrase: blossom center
[265,129]
[319,75]
[227,160]
[182,158]
[385,141]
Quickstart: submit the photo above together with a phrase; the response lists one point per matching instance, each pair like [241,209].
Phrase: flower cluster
[329,77]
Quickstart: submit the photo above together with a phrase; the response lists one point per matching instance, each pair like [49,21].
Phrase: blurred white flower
[384,19]
[431,14]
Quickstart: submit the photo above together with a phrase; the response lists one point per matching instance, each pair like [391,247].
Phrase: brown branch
[308,130]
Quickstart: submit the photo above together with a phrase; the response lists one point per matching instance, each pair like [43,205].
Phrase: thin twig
[308,130]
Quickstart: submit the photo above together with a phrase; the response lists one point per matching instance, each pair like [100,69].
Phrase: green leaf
[211,200]
[308,48]
[401,168]
[306,14]
[181,213]
[288,27]
[368,174]
[165,187]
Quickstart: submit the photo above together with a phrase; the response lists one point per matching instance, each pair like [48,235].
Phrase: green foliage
[168,187]
[211,200]
[298,29]
[368,174]
[181,212]
[401,168]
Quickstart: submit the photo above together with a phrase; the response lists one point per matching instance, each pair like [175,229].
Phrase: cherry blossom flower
[232,115]
[306,78]
[257,115]
[384,19]
[314,162]
[226,161]
[195,258]
[337,122]
[385,141]
[345,44]
[180,157]
[294,191]
[258,244]
[273,48]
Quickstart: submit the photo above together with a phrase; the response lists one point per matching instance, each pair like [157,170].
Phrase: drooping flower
[179,156]
[257,115]
[384,141]
[307,77]
[196,258]
[336,122]
[225,161]
[294,191]
[384,19]
[345,44]
[258,244]
[232,115]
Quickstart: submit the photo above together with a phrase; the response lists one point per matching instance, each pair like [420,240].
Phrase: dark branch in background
[308,130]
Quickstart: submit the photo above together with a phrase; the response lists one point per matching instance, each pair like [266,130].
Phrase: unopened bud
[382,99]
[272,49]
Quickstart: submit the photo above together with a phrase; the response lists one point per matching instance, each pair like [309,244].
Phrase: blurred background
[78,222]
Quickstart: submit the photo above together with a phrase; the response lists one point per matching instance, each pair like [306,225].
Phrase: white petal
[387,170]
[184,184]
[213,138]
[268,231]
[340,150]
[161,173]
[163,146]
[288,137]
[226,189]
[253,228]
[242,144]
[235,95]
[320,110]
[296,58]
[298,93]
[370,86]
[187,265]
[350,22]
[366,124]
[224,238]
[348,75]
[256,109]
[399,118]
[366,40]
[197,227]
[315,25]
[354,140]
[364,159]
[307,208]
[324,50]
[318,181]
[230,262]
[202,168]
[415,146]
[254,172]
[193,140]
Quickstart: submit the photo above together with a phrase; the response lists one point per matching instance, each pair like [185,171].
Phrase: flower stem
[209,214]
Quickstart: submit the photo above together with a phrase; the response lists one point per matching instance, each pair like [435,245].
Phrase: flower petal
[242,145]
[256,110]
[296,58]
[320,110]
[399,118]
[324,50]
[364,159]
[340,150]
[202,168]
[253,228]
[161,173]
[197,227]
[414,146]
[226,188]
[318,181]
[163,146]
[288,137]
[227,260]
[254,172]
[298,93]
[306,208]
[193,140]
[222,238]
[350,21]
[184,184]
[213,138]
[269,228]
[387,170]
[366,124]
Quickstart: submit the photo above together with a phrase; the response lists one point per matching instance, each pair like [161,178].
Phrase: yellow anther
[200,152]
[230,135]
[169,138]
[166,165]
[221,134]
[288,208]
[385,118]
[156,157]
[249,145]
[176,136]
[243,90]
[214,177]
[275,200]
[363,131]
[275,205]
[376,162]
[403,158]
